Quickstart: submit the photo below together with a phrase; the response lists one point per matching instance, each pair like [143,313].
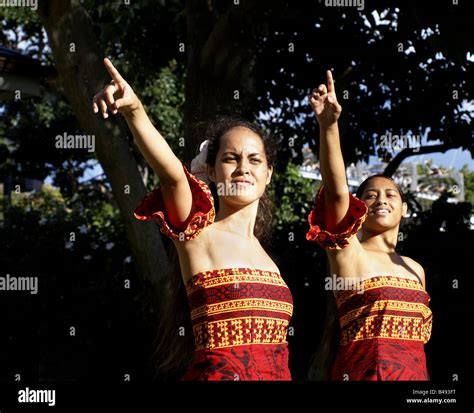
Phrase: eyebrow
[236,153]
[375,189]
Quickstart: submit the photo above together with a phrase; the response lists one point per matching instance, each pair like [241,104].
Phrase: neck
[239,220]
[385,241]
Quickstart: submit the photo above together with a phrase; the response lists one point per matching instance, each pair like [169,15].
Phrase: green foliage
[74,242]
[386,89]
[81,283]
[142,40]
[468,185]
[22,24]
[163,98]
[49,218]
[141,36]
[28,127]
[293,197]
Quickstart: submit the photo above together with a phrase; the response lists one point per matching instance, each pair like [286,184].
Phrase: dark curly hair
[218,128]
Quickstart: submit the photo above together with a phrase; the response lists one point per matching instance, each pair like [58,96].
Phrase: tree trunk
[82,75]
[220,62]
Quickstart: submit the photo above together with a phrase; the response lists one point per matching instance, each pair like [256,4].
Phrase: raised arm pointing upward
[119,97]
[382,331]
[218,229]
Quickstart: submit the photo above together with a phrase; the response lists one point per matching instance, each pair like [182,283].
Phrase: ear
[404,209]
[211,173]
[269,174]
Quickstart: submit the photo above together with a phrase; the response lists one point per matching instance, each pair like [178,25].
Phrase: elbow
[172,181]
[169,182]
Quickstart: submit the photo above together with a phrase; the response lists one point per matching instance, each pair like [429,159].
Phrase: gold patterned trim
[239,331]
[392,305]
[392,281]
[243,304]
[380,281]
[388,326]
[215,278]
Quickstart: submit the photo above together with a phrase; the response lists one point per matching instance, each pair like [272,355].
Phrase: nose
[242,168]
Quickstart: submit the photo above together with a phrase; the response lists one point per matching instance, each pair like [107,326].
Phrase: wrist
[331,127]
[135,112]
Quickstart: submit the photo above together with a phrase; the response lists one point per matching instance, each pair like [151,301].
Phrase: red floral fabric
[383,331]
[327,240]
[240,319]
[202,214]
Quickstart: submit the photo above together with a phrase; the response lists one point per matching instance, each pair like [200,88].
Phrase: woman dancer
[240,306]
[381,299]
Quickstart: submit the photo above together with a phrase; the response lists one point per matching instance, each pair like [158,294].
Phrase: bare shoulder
[417,267]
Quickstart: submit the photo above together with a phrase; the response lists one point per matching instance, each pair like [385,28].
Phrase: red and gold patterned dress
[385,324]
[240,316]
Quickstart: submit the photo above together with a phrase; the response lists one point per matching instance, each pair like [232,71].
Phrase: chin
[239,200]
[375,224]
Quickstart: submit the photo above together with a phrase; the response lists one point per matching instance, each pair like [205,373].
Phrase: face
[385,205]
[241,171]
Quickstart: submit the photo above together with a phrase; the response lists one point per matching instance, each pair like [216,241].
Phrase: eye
[255,160]
[228,158]
[370,196]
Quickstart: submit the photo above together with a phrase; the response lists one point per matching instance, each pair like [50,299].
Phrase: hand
[118,96]
[324,103]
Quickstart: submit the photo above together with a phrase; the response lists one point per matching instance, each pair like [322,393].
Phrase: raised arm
[327,110]
[119,97]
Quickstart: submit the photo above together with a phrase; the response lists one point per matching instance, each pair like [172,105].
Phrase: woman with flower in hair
[239,305]
[384,317]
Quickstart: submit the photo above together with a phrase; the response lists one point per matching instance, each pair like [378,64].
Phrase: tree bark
[82,75]
[220,62]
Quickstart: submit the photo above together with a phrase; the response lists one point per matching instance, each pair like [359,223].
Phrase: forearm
[154,147]
[331,162]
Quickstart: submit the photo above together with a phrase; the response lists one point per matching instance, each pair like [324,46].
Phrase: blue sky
[453,157]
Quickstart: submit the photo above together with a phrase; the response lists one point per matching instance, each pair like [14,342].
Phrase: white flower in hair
[198,164]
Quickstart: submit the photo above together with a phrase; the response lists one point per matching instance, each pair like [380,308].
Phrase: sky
[453,157]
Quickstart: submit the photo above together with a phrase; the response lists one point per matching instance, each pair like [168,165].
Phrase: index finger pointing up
[112,70]
[331,87]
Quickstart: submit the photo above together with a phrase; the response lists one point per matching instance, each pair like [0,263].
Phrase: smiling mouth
[242,183]
[381,212]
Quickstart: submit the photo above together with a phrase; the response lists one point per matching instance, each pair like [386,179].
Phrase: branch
[407,152]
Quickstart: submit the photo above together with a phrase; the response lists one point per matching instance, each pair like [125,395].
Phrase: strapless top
[240,316]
